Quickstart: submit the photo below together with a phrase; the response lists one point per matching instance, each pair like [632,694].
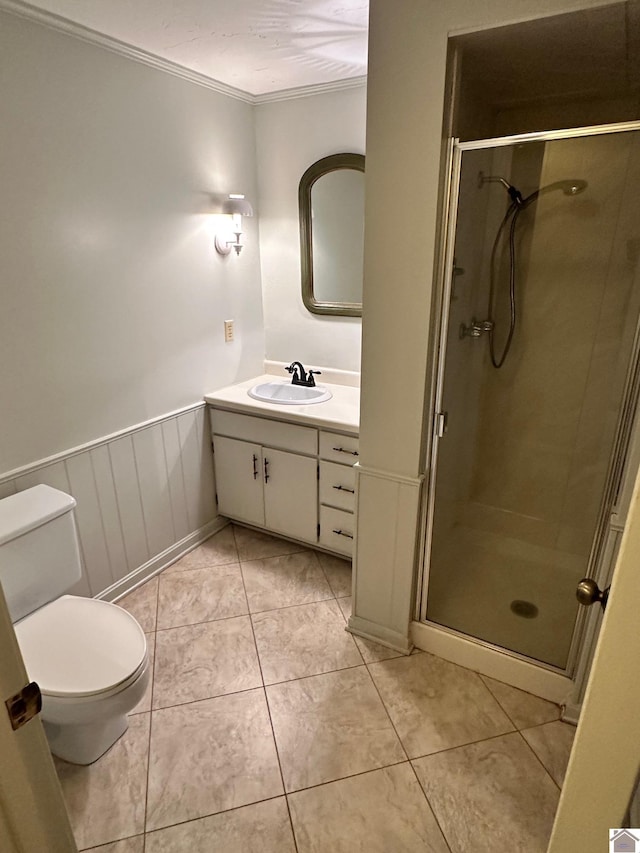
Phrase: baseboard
[571,713]
[154,566]
[313,546]
[549,685]
[379,634]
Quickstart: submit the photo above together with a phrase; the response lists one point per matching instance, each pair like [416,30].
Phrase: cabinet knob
[344,533]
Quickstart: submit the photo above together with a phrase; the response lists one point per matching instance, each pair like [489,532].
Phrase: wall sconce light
[236,206]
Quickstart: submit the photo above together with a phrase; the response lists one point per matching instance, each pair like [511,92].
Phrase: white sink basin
[287,394]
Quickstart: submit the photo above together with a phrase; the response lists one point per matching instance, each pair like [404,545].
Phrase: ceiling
[257,46]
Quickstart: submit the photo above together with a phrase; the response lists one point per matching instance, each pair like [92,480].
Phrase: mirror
[331,204]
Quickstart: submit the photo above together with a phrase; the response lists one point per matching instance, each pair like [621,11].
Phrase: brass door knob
[588,592]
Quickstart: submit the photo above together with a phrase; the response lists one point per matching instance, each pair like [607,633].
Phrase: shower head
[568,187]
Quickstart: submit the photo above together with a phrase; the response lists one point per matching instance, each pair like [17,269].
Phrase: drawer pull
[344,489]
[342,450]
[342,533]
[266,470]
[255,467]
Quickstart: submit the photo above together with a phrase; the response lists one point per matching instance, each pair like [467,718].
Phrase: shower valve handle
[475,329]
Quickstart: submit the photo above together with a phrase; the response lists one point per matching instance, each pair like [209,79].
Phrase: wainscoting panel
[109,516]
[384,559]
[145,496]
[89,520]
[6,489]
[151,465]
[175,478]
[197,467]
[125,478]
[54,475]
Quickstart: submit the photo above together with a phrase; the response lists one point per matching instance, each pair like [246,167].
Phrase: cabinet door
[291,494]
[239,475]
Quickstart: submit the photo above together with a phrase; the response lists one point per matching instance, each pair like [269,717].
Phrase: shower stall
[535,388]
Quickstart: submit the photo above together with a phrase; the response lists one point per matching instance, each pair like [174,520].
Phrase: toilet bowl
[88,657]
[90,660]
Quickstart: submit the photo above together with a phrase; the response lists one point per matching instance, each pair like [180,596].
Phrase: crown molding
[64,25]
[308,91]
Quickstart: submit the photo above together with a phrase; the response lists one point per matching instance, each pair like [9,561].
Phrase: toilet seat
[81,647]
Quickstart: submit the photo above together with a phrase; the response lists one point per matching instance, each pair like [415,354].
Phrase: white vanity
[288,469]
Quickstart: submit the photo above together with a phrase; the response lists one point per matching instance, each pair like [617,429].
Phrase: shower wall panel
[547,416]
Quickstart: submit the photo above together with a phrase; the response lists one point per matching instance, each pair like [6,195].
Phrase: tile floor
[269,729]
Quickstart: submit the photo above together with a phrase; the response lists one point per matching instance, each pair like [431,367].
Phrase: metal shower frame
[587,623]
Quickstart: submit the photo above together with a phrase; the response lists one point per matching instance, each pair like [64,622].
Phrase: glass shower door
[541,333]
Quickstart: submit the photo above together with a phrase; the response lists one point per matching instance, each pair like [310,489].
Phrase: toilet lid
[80,646]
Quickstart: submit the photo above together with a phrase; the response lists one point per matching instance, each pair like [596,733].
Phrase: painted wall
[113,297]
[291,135]
[406,94]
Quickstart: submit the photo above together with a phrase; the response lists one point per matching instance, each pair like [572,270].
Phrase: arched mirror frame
[315,171]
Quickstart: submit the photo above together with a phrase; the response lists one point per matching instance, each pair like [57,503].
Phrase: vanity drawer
[297,439]
[337,485]
[339,448]
[337,529]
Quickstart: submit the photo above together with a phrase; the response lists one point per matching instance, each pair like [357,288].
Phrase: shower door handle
[588,592]
[440,423]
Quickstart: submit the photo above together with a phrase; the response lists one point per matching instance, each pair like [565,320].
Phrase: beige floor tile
[345,606]
[524,709]
[143,604]
[435,704]
[284,581]
[129,845]
[144,704]
[303,640]
[490,796]
[202,661]
[254,545]
[552,743]
[338,572]
[384,811]
[218,550]
[106,800]
[200,595]
[210,756]
[260,828]
[373,652]
[331,726]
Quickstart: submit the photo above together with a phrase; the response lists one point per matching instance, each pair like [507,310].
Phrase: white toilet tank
[39,551]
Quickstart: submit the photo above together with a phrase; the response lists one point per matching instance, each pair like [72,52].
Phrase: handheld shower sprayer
[569,187]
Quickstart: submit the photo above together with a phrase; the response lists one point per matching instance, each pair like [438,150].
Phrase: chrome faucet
[299,376]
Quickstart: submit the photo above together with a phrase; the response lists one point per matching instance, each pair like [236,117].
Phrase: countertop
[341,412]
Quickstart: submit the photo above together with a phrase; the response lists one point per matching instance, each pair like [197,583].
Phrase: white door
[606,753]
[32,812]
[291,494]
[239,477]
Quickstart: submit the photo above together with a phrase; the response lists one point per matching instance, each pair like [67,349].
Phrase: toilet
[88,657]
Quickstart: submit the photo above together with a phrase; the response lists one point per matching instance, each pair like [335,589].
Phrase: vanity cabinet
[290,479]
[337,491]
